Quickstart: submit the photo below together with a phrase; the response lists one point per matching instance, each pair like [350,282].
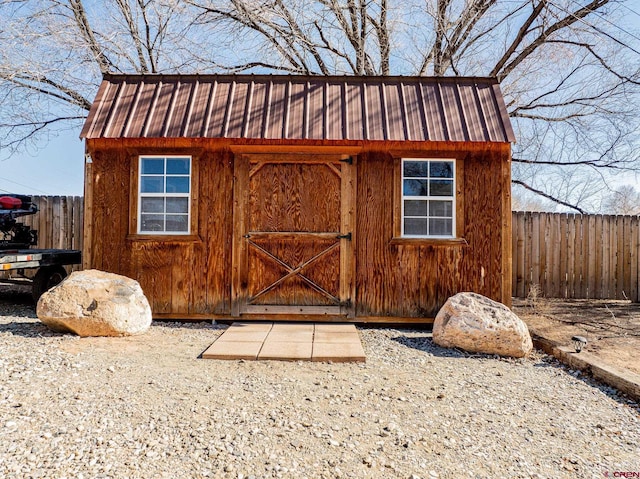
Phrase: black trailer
[49,264]
[16,256]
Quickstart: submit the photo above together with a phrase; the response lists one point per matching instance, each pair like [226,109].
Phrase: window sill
[398,240]
[165,238]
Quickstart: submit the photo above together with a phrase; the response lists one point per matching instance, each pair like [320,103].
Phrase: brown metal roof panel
[155,122]
[121,113]
[473,119]
[216,118]
[105,107]
[296,118]
[354,124]
[92,124]
[490,113]
[373,105]
[140,110]
[177,120]
[413,112]
[434,113]
[197,110]
[236,111]
[334,112]
[315,130]
[394,112]
[281,107]
[453,113]
[505,124]
[254,123]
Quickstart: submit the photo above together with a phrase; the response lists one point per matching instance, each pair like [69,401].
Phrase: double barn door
[293,236]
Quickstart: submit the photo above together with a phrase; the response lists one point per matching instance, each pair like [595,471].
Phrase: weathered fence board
[576,256]
[564,255]
[58,221]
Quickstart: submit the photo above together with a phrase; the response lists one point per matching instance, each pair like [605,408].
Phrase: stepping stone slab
[286,351]
[233,350]
[290,336]
[243,335]
[251,326]
[335,328]
[336,337]
[338,352]
[292,327]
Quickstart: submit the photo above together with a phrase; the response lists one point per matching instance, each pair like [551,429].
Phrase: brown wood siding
[191,276]
[187,276]
[414,278]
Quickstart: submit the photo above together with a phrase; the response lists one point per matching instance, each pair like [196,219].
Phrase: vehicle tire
[45,279]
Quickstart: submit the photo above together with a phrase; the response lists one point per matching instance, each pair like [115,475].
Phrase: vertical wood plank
[571,254]
[618,250]
[87,213]
[563,273]
[596,248]
[536,275]
[347,246]
[522,272]
[507,253]
[634,232]
[626,257]
[584,256]
[239,256]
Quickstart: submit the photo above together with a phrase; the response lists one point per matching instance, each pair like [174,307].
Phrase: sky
[56,168]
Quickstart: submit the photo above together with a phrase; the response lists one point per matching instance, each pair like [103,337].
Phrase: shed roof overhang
[300,109]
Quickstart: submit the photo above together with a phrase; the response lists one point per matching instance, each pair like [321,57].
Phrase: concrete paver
[336,342]
[338,352]
[336,337]
[290,336]
[233,350]
[244,335]
[286,351]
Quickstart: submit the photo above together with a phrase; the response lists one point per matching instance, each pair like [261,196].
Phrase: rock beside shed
[478,324]
[95,303]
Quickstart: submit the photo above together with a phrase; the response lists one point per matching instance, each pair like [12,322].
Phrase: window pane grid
[164,195]
[428,198]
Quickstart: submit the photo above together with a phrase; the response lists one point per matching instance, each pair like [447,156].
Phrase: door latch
[345,236]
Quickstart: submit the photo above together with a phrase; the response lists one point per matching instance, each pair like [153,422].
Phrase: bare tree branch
[548,196]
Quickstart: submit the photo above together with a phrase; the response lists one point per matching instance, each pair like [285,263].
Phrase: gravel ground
[147,407]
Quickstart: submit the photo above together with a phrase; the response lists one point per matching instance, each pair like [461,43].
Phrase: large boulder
[476,323]
[95,303]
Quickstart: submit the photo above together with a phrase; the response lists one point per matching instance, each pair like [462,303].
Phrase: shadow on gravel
[426,345]
[28,329]
[16,295]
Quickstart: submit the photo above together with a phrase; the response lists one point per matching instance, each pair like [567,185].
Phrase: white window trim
[164,195]
[435,198]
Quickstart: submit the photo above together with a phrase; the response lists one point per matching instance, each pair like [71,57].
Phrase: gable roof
[299,108]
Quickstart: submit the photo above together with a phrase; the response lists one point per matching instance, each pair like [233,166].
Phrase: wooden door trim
[347,243]
[239,256]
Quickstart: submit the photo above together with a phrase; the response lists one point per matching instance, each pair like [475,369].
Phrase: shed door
[293,241]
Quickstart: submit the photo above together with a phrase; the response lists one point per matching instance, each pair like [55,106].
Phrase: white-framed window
[428,198]
[164,195]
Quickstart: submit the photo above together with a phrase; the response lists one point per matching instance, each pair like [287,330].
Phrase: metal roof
[299,108]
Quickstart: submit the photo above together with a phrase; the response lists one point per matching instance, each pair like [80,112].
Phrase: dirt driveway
[612,328]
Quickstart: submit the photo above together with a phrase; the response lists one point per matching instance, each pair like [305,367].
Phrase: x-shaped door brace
[297,271]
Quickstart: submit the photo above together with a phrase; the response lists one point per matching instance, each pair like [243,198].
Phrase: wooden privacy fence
[563,255]
[576,256]
[58,221]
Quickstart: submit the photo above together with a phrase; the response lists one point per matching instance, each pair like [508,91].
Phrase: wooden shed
[300,197]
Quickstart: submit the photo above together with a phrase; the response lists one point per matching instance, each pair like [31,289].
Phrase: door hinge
[348,161]
[345,236]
